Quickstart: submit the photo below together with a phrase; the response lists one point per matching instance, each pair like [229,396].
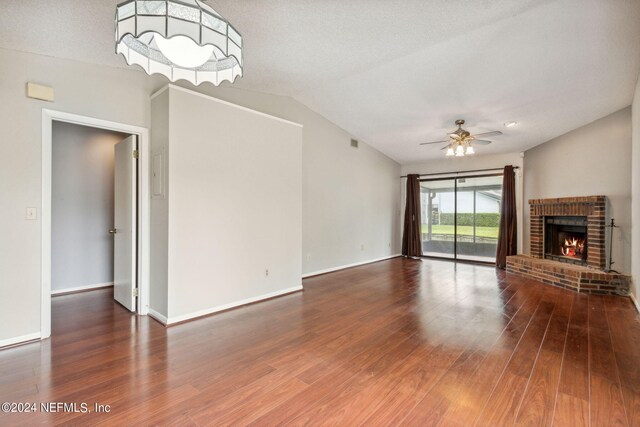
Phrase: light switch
[32,213]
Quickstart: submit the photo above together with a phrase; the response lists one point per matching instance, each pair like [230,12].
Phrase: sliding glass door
[460,217]
[478,217]
[438,201]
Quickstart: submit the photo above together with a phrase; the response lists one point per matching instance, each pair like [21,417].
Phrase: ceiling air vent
[354,143]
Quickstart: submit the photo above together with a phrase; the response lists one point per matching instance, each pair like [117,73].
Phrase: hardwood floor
[399,342]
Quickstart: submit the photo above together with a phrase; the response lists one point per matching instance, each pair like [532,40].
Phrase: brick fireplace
[568,246]
[592,209]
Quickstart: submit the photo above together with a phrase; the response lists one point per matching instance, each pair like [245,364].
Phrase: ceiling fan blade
[481,142]
[445,147]
[494,133]
[433,142]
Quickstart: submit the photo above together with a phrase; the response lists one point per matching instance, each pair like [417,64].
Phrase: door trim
[143,255]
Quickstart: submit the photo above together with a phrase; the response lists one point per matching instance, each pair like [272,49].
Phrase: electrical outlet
[266,272]
[362,247]
[32,213]
[308,256]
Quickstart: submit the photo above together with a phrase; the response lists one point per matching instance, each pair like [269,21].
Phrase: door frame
[144,237]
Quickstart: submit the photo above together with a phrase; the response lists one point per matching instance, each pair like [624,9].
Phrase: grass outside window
[463,230]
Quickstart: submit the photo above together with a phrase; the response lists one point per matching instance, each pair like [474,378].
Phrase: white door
[125,221]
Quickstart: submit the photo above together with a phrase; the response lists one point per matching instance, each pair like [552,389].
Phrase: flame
[572,247]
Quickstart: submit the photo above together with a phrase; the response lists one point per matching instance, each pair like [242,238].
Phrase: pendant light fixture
[180,39]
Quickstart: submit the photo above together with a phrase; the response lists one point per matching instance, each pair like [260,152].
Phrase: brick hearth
[568,276]
[591,279]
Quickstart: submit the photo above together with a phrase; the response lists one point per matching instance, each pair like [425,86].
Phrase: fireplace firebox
[566,239]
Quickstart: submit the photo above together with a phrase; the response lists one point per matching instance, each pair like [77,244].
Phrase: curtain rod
[459,172]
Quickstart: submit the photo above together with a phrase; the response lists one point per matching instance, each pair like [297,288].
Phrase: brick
[567,276]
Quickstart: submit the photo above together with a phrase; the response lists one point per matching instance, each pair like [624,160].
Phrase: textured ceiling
[398,72]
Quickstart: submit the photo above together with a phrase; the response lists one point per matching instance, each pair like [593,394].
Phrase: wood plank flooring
[399,342]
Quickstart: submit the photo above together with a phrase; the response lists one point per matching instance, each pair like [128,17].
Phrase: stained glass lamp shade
[180,39]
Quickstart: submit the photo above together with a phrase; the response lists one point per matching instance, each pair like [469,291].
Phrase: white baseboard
[208,311]
[159,317]
[81,288]
[19,340]
[635,302]
[342,267]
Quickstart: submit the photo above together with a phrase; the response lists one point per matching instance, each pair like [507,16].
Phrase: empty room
[295,212]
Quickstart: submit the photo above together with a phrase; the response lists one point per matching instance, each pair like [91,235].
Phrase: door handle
[112,231]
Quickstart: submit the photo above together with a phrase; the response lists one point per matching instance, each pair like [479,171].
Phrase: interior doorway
[117,223]
[94,215]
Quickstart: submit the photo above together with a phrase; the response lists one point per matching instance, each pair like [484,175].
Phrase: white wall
[235,204]
[445,165]
[102,92]
[82,206]
[350,197]
[592,160]
[346,192]
[159,206]
[635,190]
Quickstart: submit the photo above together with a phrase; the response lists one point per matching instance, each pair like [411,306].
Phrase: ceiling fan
[460,141]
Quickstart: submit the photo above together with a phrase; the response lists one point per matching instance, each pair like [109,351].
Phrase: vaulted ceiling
[395,73]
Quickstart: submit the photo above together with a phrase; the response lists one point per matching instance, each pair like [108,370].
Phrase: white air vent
[354,143]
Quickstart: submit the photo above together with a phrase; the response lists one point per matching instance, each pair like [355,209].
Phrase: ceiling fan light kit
[180,39]
[461,141]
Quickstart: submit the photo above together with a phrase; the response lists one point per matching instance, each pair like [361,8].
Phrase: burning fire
[573,247]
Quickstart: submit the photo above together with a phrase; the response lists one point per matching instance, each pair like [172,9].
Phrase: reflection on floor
[402,341]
